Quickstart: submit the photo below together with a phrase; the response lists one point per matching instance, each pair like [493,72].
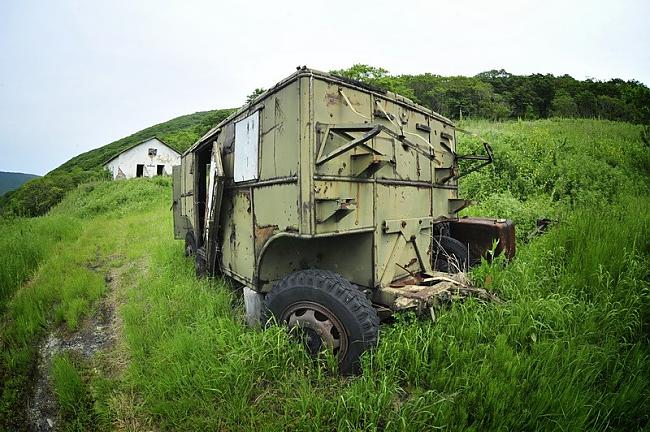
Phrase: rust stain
[333,98]
[279,114]
[233,234]
[247,195]
[262,234]
[358,202]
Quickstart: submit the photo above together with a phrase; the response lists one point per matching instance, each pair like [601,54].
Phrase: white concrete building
[147,158]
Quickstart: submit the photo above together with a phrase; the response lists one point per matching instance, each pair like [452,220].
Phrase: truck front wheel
[327,312]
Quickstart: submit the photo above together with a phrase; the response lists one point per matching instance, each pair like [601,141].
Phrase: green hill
[179,133]
[12,180]
[38,196]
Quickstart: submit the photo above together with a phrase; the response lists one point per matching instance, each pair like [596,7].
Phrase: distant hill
[179,133]
[12,180]
[37,197]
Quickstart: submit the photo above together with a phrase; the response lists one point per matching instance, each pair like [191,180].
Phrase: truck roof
[347,82]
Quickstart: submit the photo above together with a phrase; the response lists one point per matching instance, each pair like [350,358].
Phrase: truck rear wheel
[450,255]
[328,312]
[200,263]
[190,244]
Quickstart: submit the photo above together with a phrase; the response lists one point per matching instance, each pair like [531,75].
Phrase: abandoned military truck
[332,203]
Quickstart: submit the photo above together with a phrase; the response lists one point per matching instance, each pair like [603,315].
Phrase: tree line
[500,95]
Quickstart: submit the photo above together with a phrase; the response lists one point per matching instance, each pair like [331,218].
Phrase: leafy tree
[498,94]
[251,97]
[587,104]
[611,108]
[564,105]
[362,72]
[378,77]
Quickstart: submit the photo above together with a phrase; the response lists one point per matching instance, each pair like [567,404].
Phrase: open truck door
[213,209]
[182,225]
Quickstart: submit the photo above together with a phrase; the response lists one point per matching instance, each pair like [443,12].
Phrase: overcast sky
[75,75]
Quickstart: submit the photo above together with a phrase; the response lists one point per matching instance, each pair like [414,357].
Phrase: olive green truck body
[321,172]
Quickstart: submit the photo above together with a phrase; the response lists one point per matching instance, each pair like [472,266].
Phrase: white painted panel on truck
[246,147]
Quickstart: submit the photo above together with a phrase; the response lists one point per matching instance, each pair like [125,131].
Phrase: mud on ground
[97,333]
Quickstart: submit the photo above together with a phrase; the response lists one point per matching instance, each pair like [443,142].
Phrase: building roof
[139,143]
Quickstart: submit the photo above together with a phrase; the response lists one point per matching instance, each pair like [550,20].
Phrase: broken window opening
[160,170]
[153,152]
[139,170]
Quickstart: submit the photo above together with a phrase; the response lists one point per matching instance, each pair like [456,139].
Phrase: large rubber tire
[450,255]
[329,310]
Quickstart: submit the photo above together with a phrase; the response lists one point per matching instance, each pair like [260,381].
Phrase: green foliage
[547,168]
[104,198]
[24,244]
[378,77]
[251,97]
[497,94]
[564,105]
[37,196]
[10,181]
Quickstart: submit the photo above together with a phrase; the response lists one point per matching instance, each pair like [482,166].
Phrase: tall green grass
[65,255]
[24,244]
[568,350]
[70,387]
[547,168]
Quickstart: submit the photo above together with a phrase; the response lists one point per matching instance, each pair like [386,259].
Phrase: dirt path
[97,333]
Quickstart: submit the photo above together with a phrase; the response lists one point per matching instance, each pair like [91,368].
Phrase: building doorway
[160,170]
[139,170]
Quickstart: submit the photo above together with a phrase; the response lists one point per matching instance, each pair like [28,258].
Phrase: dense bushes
[37,196]
[547,168]
[497,94]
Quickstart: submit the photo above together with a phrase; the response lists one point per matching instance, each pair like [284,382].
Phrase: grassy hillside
[11,180]
[180,133]
[38,196]
[569,349]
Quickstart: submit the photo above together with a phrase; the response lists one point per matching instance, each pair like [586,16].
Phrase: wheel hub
[317,327]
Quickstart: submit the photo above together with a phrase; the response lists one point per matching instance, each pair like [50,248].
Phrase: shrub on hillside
[38,196]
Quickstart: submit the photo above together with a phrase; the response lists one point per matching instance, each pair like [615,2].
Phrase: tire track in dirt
[97,333]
